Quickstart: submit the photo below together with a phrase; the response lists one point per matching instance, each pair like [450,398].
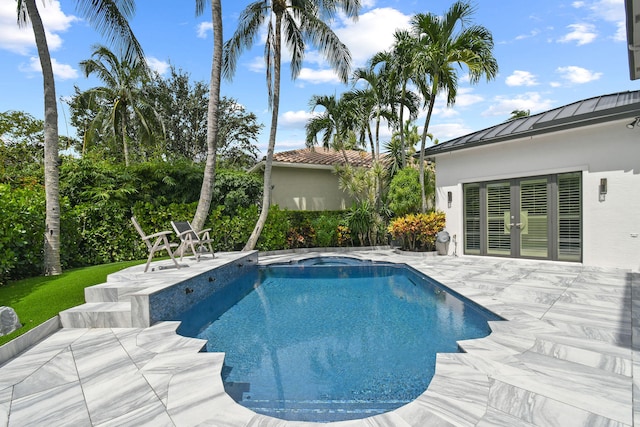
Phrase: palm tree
[361,105]
[402,145]
[401,72]
[301,21]
[123,92]
[377,94]
[446,41]
[110,18]
[334,123]
[208,182]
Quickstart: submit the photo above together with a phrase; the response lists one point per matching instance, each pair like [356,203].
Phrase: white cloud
[161,67]
[257,65]
[612,11]
[203,29]
[294,118]
[371,33]
[621,32]
[580,33]
[504,105]
[521,78]
[60,71]
[609,10]
[318,76]
[578,4]
[577,75]
[532,33]
[21,40]
[465,98]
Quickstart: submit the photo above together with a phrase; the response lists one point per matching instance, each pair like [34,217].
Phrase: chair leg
[166,242]
[152,251]
[146,267]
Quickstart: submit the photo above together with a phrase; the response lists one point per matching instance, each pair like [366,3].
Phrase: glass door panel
[472,229]
[569,223]
[498,214]
[534,219]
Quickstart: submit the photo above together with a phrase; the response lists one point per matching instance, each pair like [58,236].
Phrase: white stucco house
[562,185]
[305,179]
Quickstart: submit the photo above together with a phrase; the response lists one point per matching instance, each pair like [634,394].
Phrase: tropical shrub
[274,234]
[417,232]
[22,212]
[404,192]
[326,227]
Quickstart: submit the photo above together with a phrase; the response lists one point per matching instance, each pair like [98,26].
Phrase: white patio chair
[161,243]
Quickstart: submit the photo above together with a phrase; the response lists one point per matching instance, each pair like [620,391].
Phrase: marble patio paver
[567,356]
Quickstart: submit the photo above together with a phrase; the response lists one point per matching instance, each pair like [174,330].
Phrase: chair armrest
[184,233]
[206,230]
[161,233]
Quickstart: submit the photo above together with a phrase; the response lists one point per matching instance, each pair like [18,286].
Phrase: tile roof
[588,111]
[322,156]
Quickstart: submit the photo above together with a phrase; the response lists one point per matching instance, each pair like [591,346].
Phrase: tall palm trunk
[51,173]
[208,182]
[432,101]
[123,129]
[275,106]
[403,154]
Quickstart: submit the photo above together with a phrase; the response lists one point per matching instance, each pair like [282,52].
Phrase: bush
[404,192]
[417,232]
[231,232]
[236,189]
[326,227]
[274,233]
[22,211]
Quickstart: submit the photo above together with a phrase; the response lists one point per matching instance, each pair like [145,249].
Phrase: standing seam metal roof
[588,111]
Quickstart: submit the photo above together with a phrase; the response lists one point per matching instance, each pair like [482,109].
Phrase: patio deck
[567,357]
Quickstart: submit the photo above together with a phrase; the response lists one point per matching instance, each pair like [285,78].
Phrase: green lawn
[38,299]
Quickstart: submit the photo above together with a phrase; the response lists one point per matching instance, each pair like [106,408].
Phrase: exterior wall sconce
[634,123]
[602,189]
[449,198]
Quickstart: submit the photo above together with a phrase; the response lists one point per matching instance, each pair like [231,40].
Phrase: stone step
[323,410]
[98,315]
[112,292]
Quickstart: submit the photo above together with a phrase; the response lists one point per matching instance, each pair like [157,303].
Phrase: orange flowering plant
[417,232]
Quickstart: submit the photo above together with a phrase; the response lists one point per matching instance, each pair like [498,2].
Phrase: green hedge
[100,233]
[98,199]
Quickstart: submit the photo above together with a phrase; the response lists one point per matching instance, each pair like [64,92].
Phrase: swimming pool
[332,339]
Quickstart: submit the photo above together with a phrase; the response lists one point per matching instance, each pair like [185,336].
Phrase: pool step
[327,411]
[98,315]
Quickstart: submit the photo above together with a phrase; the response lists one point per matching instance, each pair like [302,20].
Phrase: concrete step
[112,292]
[98,315]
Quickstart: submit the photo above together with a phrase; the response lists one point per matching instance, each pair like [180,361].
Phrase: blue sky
[550,53]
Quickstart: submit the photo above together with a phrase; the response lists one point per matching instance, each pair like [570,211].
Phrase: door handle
[517,225]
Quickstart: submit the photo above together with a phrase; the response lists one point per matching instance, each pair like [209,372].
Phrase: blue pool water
[333,339]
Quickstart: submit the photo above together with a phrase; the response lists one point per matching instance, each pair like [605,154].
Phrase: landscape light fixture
[634,123]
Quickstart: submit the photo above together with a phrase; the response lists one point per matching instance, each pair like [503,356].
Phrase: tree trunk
[266,195]
[423,140]
[123,129]
[403,154]
[208,182]
[51,173]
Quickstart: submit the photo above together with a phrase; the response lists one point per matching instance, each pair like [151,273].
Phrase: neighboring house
[305,180]
[561,185]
